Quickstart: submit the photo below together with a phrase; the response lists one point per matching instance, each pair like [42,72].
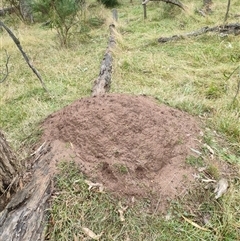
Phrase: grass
[190,74]
[75,207]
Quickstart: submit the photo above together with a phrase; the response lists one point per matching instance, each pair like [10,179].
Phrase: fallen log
[233,28]
[103,82]
[25,216]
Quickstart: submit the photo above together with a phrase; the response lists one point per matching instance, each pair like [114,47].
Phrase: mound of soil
[130,144]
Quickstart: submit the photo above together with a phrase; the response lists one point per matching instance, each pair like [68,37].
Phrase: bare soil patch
[132,145]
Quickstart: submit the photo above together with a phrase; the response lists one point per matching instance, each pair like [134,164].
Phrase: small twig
[238,88]
[7,72]
[17,42]
[174,2]
[238,84]
[228,7]
[39,149]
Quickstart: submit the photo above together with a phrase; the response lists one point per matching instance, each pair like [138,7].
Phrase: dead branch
[233,28]
[174,2]
[6,65]
[17,42]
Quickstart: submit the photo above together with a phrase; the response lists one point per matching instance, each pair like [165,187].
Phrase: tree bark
[9,167]
[25,216]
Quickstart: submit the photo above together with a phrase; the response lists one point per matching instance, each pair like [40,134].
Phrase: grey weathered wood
[233,28]
[9,165]
[25,216]
[103,82]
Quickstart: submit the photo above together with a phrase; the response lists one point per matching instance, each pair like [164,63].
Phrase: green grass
[190,74]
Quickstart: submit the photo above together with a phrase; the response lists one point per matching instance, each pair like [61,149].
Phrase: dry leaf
[209,148]
[122,219]
[94,185]
[121,212]
[91,234]
[221,187]
[8,195]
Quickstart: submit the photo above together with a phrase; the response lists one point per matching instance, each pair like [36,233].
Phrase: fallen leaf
[122,219]
[94,185]
[209,148]
[121,212]
[221,187]
[91,234]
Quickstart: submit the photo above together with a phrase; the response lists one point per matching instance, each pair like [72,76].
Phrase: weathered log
[9,167]
[25,216]
[233,28]
[103,82]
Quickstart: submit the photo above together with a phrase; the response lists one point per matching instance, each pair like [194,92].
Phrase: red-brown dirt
[132,145]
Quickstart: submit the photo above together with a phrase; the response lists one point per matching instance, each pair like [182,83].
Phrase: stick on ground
[233,28]
[17,42]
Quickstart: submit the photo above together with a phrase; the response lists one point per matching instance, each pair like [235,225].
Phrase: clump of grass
[194,161]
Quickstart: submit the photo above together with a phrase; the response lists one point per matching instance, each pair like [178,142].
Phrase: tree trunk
[9,167]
